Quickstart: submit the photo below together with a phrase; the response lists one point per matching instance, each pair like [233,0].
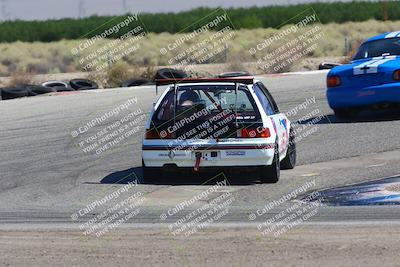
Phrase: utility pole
[5,15]
[385,11]
[125,6]
[82,10]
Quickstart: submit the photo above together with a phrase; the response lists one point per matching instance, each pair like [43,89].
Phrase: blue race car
[371,80]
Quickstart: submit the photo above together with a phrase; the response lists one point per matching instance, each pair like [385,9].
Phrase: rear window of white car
[206,101]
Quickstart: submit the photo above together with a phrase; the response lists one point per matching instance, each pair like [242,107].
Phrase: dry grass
[21,77]
[99,77]
[56,57]
[120,72]
[148,73]
[117,74]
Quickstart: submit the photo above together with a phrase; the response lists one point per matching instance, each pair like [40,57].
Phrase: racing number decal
[281,131]
[274,124]
[370,66]
[285,135]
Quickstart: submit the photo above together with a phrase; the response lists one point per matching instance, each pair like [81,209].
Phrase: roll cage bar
[175,82]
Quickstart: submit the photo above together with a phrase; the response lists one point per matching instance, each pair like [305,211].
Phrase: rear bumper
[230,170]
[228,156]
[342,97]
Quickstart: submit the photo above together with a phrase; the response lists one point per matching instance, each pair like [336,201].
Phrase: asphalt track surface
[45,177]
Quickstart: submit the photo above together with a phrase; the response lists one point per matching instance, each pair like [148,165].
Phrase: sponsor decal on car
[235,153]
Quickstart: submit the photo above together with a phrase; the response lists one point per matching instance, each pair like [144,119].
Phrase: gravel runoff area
[302,246]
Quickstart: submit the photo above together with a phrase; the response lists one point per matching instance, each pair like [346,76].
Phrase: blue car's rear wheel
[346,113]
[151,174]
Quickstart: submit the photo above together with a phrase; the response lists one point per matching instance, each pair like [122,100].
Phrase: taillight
[396,75]
[155,134]
[259,132]
[333,81]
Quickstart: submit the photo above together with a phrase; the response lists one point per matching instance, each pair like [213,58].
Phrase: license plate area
[207,155]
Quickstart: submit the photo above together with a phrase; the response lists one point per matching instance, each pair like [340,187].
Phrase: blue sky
[46,9]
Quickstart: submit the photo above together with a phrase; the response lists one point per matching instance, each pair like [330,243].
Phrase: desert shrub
[117,74]
[45,57]
[99,77]
[148,73]
[21,77]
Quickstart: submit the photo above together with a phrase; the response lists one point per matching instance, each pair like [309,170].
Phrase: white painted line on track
[375,165]
[309,174]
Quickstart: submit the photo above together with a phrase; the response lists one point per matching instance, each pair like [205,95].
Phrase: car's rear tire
[151,174]
[289,162]
[346,113]
[271,173]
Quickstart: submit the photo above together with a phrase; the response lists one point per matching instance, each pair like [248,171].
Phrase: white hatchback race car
[217,124]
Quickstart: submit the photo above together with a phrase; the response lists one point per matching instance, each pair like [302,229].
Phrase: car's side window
[267,106]
[269,96]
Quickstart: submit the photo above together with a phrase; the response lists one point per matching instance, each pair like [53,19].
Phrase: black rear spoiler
[236,80]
